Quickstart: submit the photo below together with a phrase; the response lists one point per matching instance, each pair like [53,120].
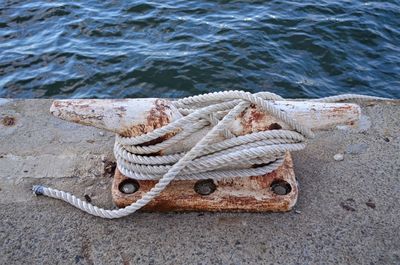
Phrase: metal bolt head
[129,186]
[205,187]
[281,187]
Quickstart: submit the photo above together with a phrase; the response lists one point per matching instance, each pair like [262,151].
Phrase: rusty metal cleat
[276,191]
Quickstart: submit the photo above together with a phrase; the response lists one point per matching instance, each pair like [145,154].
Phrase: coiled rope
[212,157]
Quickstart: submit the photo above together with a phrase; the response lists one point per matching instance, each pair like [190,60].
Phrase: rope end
[38,190]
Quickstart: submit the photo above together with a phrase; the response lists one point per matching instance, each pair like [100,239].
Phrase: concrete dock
[348,211]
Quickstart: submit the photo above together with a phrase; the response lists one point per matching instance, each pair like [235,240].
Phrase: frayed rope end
[38,189]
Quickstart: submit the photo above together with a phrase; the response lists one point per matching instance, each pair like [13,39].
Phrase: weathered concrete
[347,213]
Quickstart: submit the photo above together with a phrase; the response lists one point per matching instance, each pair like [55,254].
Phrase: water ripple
[179,48]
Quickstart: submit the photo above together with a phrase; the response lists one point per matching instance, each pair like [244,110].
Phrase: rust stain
[251,118]
[157,115]
[134,130]
[8,121]
[57,104]
[338,111]
[256,116]
[254,119]
[84,119]
[74,116]
[156,118]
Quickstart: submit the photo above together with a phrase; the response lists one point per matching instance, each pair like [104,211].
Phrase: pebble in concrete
[338,157]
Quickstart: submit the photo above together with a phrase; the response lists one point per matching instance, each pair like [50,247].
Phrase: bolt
[281,187]
[205,187]
[129,186]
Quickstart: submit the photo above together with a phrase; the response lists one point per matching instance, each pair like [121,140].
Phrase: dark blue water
[174,48]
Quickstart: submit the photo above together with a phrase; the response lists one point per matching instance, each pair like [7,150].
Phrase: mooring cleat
[275,191]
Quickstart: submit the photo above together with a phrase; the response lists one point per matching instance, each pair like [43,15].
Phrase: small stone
[87,198]
[297,211]
[109,168]
[371,204]
[347,207]
[338,157]
[356,149]
[101,133]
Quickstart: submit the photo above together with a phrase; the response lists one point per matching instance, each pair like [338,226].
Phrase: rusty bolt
[205,187]
[8,121]
[281,187]
[129,186]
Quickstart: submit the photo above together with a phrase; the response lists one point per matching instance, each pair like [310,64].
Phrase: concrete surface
[347,212]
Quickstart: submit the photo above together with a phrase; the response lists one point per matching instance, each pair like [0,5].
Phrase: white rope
[219,154]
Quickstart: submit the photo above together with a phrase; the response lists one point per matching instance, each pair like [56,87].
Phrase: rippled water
[177,48]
